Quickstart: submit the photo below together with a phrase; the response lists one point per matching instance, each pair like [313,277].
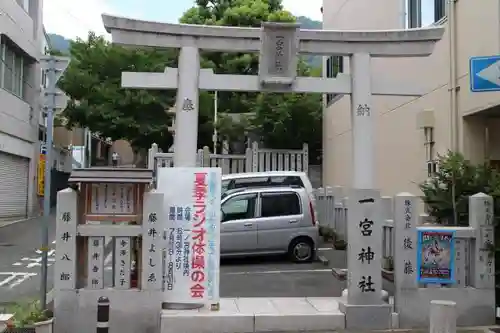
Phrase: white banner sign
[192,223]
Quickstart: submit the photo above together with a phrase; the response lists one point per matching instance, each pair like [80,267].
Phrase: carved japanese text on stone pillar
[481,218]
[122,267]
[364,241]
[405,223]
[152,241]
[65,270]
[95,259]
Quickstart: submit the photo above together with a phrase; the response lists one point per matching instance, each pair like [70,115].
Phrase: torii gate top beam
[378,43]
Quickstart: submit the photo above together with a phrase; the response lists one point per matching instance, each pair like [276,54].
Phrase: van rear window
[268,181]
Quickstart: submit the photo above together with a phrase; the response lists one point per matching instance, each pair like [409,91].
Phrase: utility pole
[53,100]
[214,136]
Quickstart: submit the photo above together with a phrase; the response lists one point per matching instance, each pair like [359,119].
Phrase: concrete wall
[19,118]
[400,152]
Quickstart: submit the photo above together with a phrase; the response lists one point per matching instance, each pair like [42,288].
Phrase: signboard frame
[185,207]
[450,247]
[279,40]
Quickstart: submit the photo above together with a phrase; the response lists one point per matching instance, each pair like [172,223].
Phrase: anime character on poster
[435,256]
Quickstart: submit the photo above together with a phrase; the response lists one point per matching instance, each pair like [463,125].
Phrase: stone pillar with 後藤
[405,253]
[363,307]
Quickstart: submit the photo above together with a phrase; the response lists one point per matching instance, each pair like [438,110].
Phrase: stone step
[238,315]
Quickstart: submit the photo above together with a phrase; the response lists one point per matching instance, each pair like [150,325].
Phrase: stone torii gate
[279,45]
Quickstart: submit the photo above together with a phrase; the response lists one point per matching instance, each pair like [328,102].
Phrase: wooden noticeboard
[113,202]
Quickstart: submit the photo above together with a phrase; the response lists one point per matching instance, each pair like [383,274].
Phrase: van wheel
[301,250]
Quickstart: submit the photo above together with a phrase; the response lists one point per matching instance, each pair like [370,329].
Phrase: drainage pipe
[452,84]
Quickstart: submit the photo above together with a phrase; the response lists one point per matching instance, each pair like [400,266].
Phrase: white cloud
[308,8]
[74,18]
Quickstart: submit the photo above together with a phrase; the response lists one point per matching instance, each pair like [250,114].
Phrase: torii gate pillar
[363,123]
[186,119]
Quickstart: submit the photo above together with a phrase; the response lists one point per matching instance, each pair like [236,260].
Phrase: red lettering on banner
[198,262]
[198,235]
[200,187]
[197,291]
[198,276]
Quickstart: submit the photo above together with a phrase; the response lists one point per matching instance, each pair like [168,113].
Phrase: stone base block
[299,322]
[209,322]
[395,320]
[245,315]
[369,317]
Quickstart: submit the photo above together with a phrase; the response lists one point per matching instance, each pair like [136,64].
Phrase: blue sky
[74,18]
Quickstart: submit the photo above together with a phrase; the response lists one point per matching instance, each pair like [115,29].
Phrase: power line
[408,102]
[339,10]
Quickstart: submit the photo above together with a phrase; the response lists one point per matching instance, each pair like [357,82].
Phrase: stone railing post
[387,208]
[248,160]
[255,157]
[151,156]
[305,158]
[206,157]
[481,219]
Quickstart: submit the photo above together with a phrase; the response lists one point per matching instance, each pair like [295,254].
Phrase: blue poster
[436,256]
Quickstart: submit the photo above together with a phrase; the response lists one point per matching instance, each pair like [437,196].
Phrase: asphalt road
[277,277]
[20,261]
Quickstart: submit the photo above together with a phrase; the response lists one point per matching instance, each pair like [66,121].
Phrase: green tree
[266,107]
[97,101]
[446,194]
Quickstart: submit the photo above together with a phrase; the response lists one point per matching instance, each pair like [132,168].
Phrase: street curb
[322,259]
[7,223]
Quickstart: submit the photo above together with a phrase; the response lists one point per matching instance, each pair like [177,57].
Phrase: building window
[14,70]
[334,66]
[422,13]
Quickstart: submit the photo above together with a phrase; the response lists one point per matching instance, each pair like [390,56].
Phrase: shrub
[446,194]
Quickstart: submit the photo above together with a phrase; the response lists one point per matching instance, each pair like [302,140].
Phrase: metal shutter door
[14,172]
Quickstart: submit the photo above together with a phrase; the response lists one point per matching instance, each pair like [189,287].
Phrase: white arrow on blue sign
[485,73]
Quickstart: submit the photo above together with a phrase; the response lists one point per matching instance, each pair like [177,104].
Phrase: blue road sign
[485,73]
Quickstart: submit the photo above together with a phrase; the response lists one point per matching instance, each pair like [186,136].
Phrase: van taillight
[311,210]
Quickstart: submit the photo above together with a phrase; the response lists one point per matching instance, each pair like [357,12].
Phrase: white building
[411,132]
[22,38]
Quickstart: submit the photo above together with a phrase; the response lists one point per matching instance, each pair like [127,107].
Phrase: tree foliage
[280,120]
[447,192]
[93,83]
